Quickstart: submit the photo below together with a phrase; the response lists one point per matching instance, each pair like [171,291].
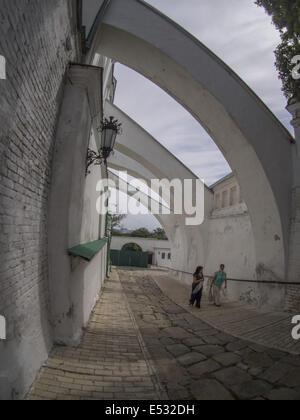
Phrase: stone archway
[173,224]
[254,143]
[132,246]
[179,235]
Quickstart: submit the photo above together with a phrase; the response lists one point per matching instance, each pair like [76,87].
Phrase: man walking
[219,279]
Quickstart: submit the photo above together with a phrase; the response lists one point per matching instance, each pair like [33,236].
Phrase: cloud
[177,129]
[139,221]
[243,36]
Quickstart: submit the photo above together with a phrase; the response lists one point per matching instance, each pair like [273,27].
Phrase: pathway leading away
[110,364]
[140,344]
[271,329]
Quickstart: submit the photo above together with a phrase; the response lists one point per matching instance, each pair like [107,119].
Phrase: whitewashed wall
[147,245]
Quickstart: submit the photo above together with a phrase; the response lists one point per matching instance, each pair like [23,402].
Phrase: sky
[243,36]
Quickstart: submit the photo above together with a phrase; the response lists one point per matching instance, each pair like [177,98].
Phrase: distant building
[162,257]
[159,251]
[228,198]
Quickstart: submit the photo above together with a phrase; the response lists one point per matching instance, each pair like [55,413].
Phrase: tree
[286,17]
[159,233]
[132,247]
[141,233]
[116,220]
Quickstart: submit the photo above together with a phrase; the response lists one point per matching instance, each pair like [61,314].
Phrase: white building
[158,249]
[53,246]
[162,257]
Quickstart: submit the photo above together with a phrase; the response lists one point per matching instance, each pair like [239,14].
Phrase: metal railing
[274,282]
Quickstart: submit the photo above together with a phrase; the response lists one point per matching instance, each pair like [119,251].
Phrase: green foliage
[141,233]
[286,17]
[144,233]
[118,233]
[116,220]
[159,233]
[132,247]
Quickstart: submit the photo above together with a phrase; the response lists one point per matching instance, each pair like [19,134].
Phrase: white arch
[148,153]
[254,143]
[174,225]
[135,151]
[145,201]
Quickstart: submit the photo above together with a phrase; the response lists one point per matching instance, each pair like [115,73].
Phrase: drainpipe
[96,23]
[108,232]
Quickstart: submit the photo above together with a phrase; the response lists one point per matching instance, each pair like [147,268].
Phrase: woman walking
[197,287]
[219,279]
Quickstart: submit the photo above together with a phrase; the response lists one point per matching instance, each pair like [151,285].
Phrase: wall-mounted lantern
[109,130]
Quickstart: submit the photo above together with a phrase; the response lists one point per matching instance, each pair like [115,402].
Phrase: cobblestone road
[141,345]
[196,361]
[264,327]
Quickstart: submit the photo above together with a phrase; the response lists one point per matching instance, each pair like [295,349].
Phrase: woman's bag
[197,289]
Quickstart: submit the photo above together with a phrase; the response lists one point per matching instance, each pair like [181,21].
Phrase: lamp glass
[107,138]
[113,139]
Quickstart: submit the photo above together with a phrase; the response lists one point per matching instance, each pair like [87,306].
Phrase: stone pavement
[111,363]
[141,345]
[196,361]
[271,329]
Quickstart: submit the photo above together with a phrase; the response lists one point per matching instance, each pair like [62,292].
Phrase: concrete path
[141,345]
[271,329]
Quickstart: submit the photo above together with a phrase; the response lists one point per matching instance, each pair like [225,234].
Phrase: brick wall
[39,39]
[293,299]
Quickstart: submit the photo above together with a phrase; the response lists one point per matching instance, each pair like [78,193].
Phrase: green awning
[88,251]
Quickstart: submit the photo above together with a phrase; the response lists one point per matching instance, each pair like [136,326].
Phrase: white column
[294,110]
[81,107]
[293,292]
